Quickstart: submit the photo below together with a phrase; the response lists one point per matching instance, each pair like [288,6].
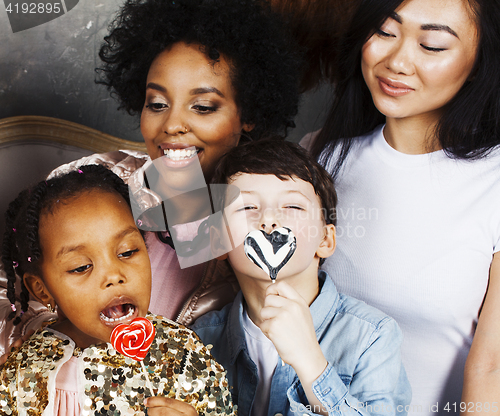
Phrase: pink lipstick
[393,88]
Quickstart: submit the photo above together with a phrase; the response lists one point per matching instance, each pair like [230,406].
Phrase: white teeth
[111,320]
[179,154]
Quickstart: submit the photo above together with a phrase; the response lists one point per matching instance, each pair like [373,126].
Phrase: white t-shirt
[263,353]
[415,238]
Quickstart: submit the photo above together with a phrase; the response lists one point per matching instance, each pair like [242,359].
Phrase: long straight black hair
[470,125]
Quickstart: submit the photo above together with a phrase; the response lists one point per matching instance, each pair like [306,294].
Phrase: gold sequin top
[178,363]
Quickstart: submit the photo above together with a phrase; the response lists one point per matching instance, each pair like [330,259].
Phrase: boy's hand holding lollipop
[285,313]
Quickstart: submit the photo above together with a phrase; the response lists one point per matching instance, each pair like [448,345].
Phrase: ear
[472,74]
[327,245]
[38,290]
[218,246]
[248,127]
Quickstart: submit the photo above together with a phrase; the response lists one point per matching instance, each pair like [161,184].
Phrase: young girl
[201,74]
[74,242]
[413,140]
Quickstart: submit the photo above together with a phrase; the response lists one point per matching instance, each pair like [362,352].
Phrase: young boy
[297,346]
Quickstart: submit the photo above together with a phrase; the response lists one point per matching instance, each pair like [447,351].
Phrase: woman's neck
[181,206]
[411,135]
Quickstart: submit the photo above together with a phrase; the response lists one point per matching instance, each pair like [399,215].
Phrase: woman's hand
[163,406]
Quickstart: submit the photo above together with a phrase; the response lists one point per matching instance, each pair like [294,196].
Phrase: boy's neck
[254,291]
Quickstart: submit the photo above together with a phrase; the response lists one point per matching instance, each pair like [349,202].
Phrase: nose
[112,274]
[400,59]
[269,221]
[174,123]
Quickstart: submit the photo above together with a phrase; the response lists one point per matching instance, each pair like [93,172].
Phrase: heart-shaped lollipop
[133,340]
[272,251]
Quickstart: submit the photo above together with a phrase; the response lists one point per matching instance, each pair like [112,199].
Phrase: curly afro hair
[263,58]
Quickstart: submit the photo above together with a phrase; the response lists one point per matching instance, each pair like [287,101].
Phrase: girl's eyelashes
[86,267]
[128,253]
[81,269]
[295,207]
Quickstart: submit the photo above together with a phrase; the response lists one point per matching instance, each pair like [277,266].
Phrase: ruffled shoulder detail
[27,376]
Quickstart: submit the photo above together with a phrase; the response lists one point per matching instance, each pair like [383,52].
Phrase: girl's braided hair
[21,252]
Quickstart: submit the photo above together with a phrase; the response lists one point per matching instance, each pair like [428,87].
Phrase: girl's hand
[287,322]
[163,406]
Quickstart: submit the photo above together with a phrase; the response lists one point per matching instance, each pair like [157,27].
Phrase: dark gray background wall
[48,70]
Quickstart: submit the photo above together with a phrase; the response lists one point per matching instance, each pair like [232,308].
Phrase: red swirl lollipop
[133,340]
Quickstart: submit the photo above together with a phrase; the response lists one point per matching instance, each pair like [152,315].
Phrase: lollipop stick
[148,381]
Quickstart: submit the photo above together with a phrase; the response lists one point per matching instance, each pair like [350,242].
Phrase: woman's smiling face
[420,57]
[190,104]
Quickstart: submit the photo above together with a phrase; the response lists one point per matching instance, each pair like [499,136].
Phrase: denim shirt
[364,375]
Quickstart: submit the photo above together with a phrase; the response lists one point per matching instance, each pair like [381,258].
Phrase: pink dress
[168,295]
[66,400]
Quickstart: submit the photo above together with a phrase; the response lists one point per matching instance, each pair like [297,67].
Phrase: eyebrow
[69,249]
[155,86]
[194,91]
[437,27]
[206,90]
[299,193]
[287,192]
[427,26]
